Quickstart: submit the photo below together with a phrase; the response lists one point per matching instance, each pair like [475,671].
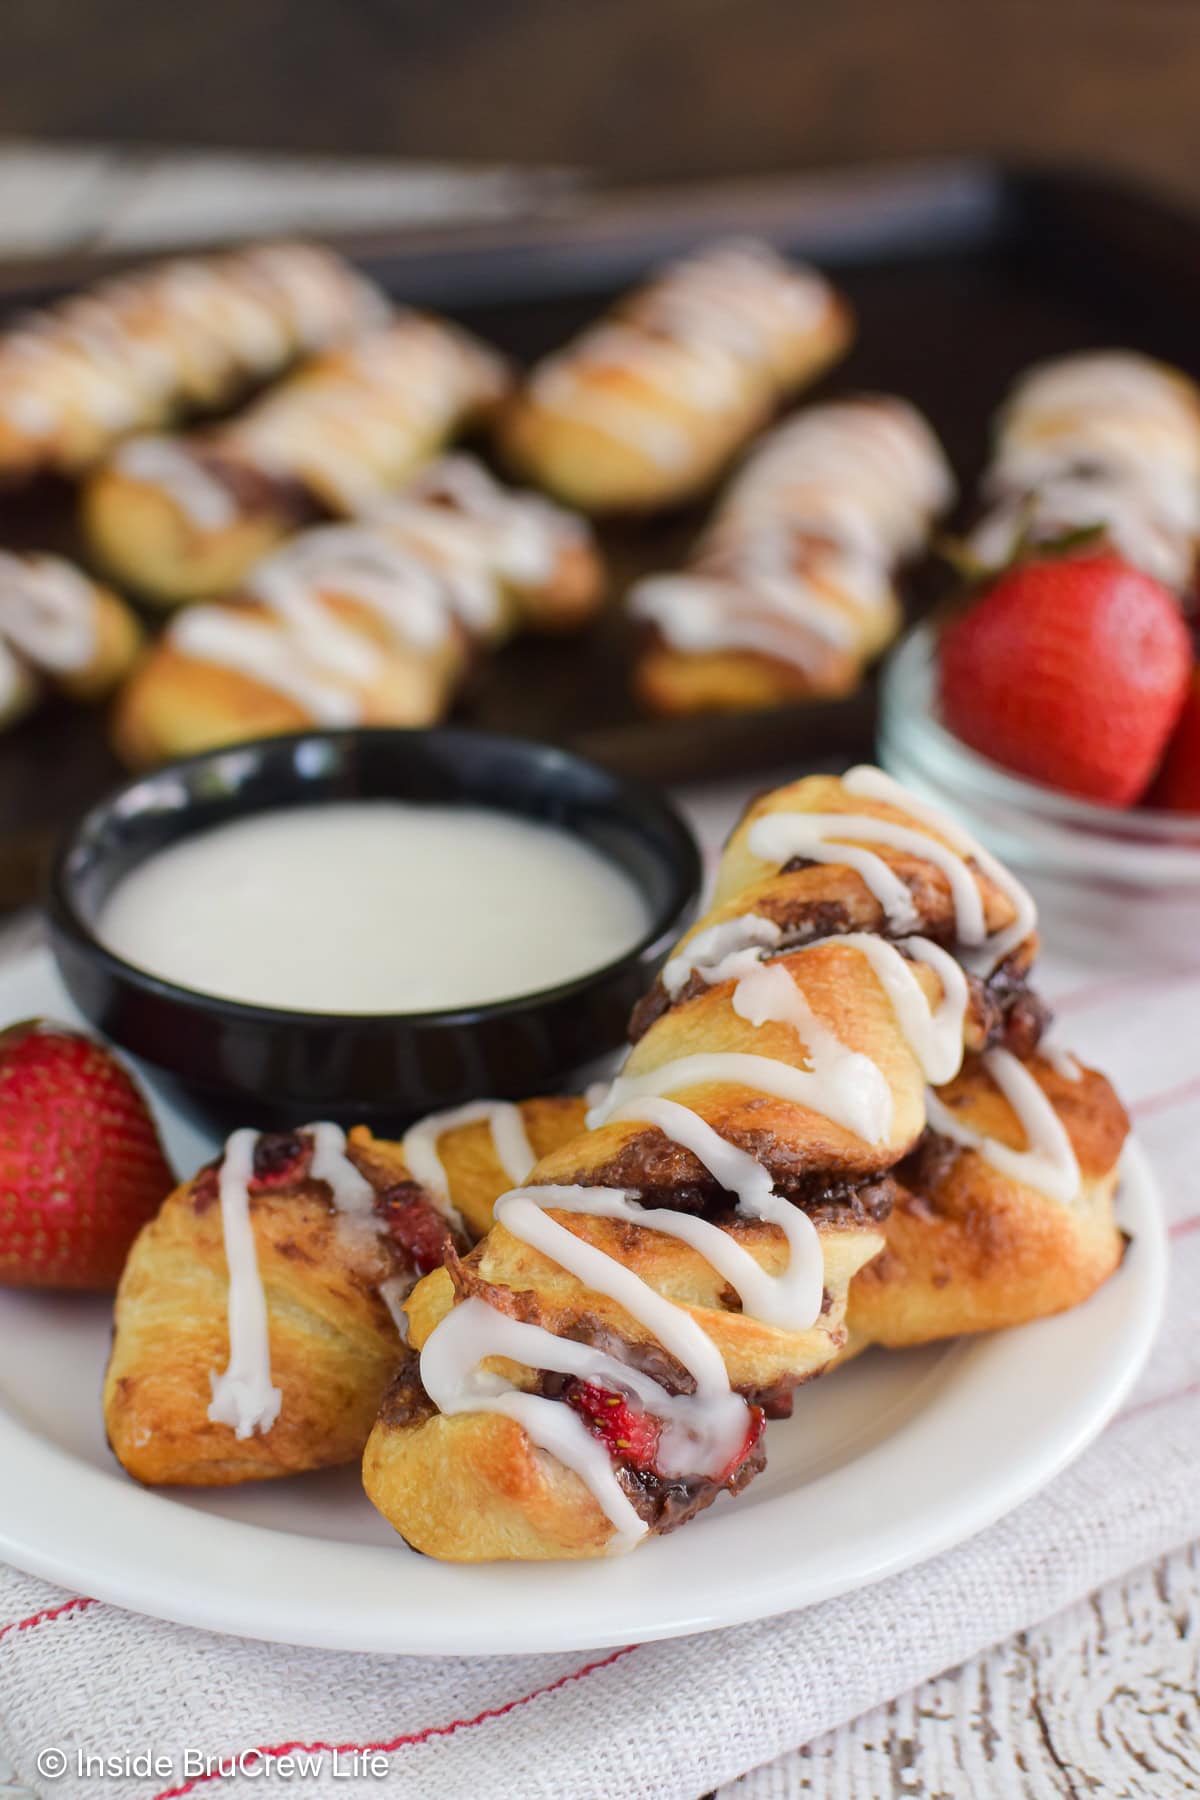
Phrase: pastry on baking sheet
[60,631]
[597,1369]
[791,590]
[645,408]
[135,351]
[374,622]
[178,516]
[1106,440]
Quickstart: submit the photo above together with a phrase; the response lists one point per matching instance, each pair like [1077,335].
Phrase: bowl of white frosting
[370,925]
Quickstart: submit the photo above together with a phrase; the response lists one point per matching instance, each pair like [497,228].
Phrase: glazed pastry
[179,517]
[791,590]
[645,408]
[256,1319]
[1105,439]
[1004,1214]
[374,623]
[595,1370]
[59,630]
[137,351]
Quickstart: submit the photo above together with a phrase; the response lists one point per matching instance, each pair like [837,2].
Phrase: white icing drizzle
[1048,1163]
[259,650]
[841,1100]
[874,784]
[519,535]
[242,1395]
[790,1300]
[711,331]
[1108,439]
[169,465]
[349,1189]
[806,539]
[455,1382]
[394,1292]
[721,952]
[778,836]
[509,1140]
[848,1087]
[117,356]
[1060,1060]
[47,612]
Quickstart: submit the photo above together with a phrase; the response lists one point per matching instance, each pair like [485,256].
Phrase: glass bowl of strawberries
[1058,711]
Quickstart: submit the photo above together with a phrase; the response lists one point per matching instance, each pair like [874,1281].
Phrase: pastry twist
[373,623]
[644,409]
[133,352]
[59,630]
[257,1318]
[791,590]
[183,516]
[598,1367]
[1107,440]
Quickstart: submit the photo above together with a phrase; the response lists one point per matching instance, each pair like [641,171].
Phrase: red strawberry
[1072,671]
[1177,784]
[81,1167]
[628,1434]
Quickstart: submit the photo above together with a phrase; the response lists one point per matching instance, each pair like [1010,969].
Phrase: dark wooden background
[639,88]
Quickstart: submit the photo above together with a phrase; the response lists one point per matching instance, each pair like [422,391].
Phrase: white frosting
[47,612]
[117,356]
[806,539]
[1048,1162]
[874,784]
[721,952]
[1108,439]
[509,1140]
[169,465]
[779,836]
[257,649]
[242,1395]
[1060,1060]
[844,1101]
[452,1377]
[392,894]
[847,1086]
[791,1300]
[708,333]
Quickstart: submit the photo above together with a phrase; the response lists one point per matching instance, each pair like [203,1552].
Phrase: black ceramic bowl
[256,1065]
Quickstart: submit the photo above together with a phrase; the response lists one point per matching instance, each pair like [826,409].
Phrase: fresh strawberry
[1072,671]
[628,1434]
[1177,784]
[81,1167]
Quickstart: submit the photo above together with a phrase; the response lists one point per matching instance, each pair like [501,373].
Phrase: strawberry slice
[627,1433]
[632,1436]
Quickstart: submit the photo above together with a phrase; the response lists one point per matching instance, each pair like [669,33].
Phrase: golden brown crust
[152,546]
[334,1345]
[341,430]
[587,467]
[970,1249]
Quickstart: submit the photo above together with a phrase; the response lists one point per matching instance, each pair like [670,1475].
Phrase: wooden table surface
[1101,1700]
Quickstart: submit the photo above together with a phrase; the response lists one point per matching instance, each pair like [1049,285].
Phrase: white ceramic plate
[885,1463]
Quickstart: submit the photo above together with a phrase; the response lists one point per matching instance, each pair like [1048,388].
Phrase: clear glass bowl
[1099,873]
